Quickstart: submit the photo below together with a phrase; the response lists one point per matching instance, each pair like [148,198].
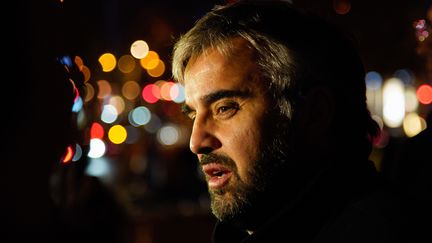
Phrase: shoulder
[379,217]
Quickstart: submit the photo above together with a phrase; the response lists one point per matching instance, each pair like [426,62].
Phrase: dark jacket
[342,205]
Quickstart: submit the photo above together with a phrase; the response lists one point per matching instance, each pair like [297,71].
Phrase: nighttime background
[108,151]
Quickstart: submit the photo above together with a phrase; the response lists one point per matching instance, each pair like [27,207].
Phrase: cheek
[243,146]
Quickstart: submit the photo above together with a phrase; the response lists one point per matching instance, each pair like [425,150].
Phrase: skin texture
[225,99]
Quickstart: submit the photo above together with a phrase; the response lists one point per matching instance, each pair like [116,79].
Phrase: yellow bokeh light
[158,70]
[126,64]
[117,134]
[139,49]
[147,60]
[413,124]
[108,62]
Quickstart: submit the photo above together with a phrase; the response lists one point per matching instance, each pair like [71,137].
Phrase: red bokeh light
[424,94]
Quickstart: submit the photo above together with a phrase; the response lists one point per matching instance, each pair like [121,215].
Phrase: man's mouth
[217,175]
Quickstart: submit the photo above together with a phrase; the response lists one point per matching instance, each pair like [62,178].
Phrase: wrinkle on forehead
[235,47]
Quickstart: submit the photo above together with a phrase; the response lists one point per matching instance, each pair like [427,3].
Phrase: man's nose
[203,139]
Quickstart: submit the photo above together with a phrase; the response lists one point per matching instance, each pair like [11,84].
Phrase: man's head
[264,85]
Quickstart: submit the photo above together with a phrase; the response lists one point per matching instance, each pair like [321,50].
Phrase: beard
[242,202]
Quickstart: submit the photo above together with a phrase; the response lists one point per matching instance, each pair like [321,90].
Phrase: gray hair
[215,31]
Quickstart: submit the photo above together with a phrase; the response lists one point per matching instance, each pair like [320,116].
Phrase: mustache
[218,158]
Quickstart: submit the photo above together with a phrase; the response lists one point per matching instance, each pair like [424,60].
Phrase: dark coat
[342,205]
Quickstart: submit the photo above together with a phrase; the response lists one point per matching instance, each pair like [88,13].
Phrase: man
[280,126]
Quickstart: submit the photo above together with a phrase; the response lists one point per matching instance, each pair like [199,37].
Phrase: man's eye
[226,111]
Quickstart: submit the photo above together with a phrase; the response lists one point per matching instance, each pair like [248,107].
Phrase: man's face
[229,106]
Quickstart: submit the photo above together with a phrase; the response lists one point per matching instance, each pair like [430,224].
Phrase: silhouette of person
[281,127]
[45,86]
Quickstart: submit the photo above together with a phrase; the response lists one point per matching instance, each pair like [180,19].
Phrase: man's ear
[315,116]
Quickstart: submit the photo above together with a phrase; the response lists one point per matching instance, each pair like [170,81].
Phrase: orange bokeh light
[69,153]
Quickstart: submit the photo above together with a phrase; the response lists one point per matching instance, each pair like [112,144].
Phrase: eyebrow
[215,96]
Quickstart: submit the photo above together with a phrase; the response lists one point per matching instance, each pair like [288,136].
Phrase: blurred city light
[89,92]
[104,89]
[97,148]
[126,64]
[117,134]
[97,131]
[78,153]
[108,62]
[131,90]
[150,60]
[168,135]
[68,156]
[109,114]
[98,167]
[139,49]
[393,102]
[78,105]
[413,124]
[424,94]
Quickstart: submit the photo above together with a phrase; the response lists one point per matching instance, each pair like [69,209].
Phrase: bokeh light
[424,94]
[79,62]
[118,103]
[139,49]
[86,73]
[81,119]
[393,102]
[150,60]
[68,155]
[126,64]
[151,93]
[78,105]
[413,124]
[104,89]
[96,131]
[89,92]
[411,101]
[98,167]
[158,69]
[117,134]
[165,91]
[168,135]
[341,6]
[131,90]
[405,75]
[78,153]
[178,93]
[373,80]
[109,114]
[139,116]
[108,62]
[97,148]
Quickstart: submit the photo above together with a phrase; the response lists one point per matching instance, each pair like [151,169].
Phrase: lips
[217,175]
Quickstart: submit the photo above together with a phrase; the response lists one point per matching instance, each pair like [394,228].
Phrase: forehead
[212,71]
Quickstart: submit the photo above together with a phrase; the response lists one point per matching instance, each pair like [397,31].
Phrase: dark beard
[246,203]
